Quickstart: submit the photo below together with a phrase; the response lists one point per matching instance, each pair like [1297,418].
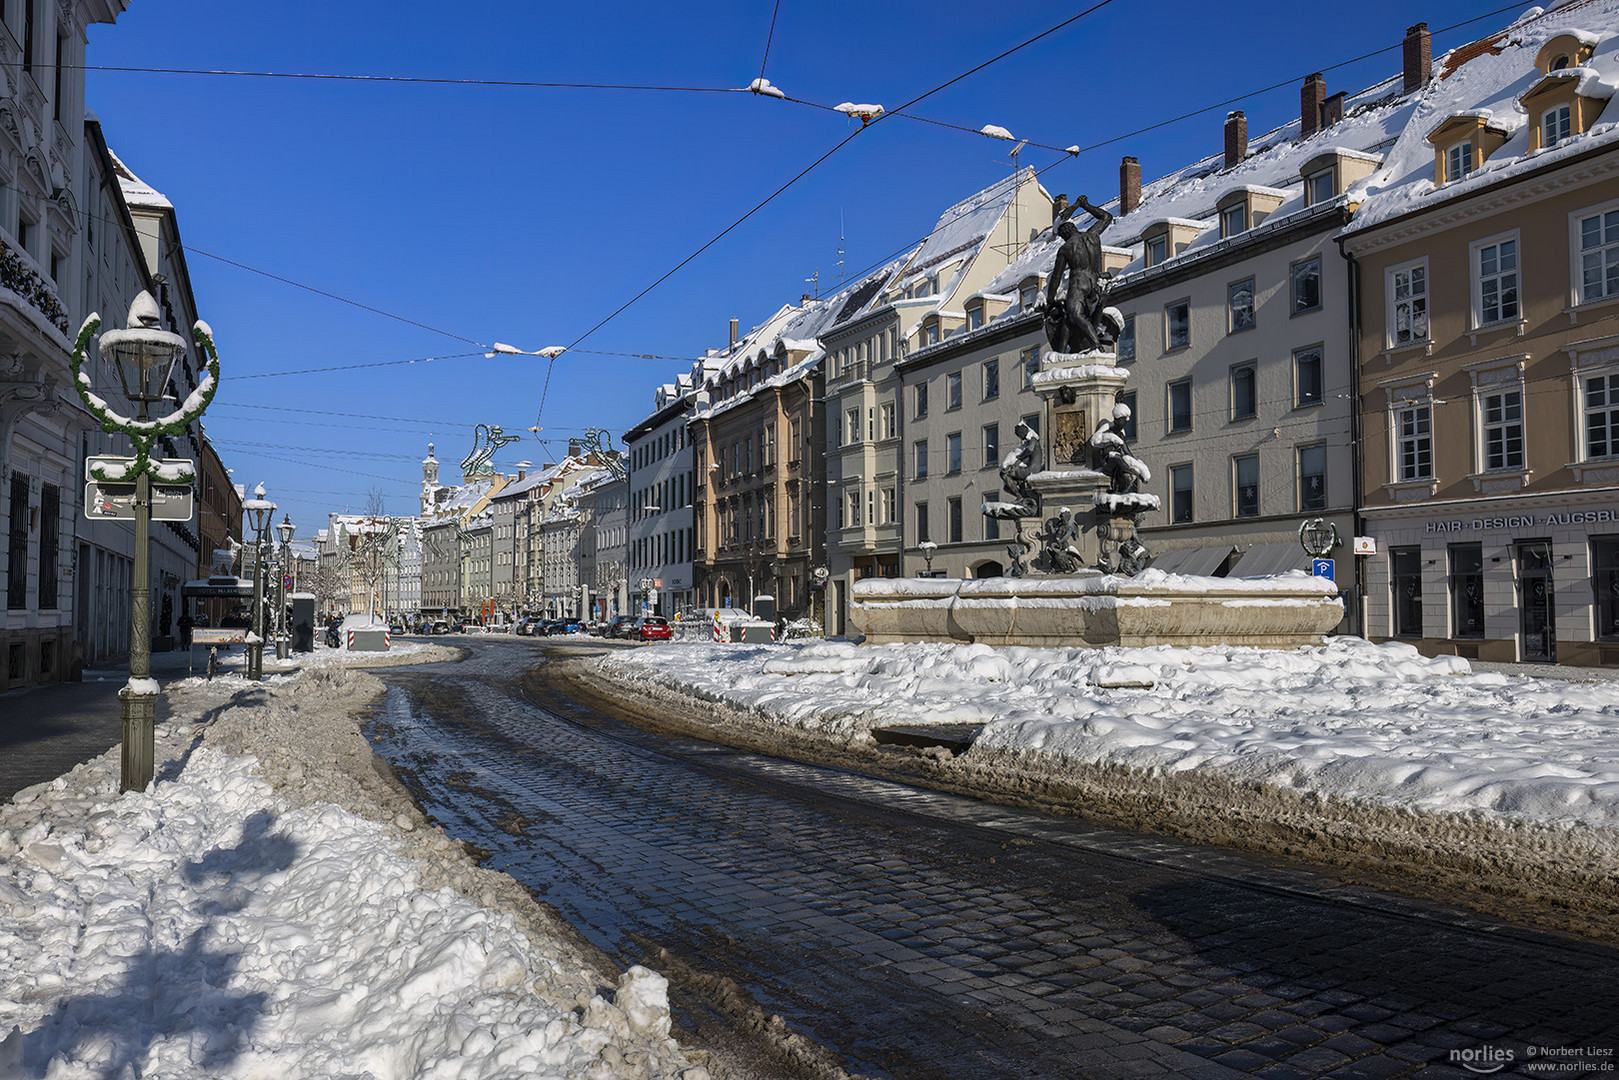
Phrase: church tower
[430,484]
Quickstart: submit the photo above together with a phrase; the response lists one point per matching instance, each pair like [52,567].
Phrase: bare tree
[371,545]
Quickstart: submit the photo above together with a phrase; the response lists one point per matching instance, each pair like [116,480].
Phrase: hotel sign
[1527,521]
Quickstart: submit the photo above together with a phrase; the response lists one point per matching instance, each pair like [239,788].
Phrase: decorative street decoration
[598,441]
[1318,537]
[487,438]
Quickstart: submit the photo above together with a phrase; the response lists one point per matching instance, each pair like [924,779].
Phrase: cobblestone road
[925,935]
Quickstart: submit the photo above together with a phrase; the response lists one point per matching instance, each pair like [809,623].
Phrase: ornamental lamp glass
[145,353]
[286,528]
[259,510]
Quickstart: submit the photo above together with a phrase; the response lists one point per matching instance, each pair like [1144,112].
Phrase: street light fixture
[145,355]
[283,644]
[260,513]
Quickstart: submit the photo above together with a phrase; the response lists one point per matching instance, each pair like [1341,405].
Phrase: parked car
[620,626]
[526,625]
[568,626]
[651,628]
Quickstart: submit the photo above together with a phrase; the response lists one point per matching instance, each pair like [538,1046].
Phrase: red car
[651,628]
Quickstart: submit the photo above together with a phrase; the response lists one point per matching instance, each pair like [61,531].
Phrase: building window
[921,459]
[851,426]
[992,379]
[1180,493]
[1244,391]
[1127,339]
[975,317]
[1128,400]
[1157,247]
[954,524]
[1467,590]
[1321,187]
[853,498]
[1495,273]
[992,527]
[930,334]
[1307,388]
[890,420]
[1459,160]
[1415,457]
[1240,306]
[1405,580]
[1234,220]
[17,553]
[1554,126]
[1306,277]
[992,445]
[1029,361]
[1313,477]
[1245,469]
[952,390]
[50,509]
[1503,429]
[1599,256]
[1408,304]
[952,452]
[888,504]
[921,400]
[1605,580]
[1178,324]
[1602,416]
[1180,406]
[921,523]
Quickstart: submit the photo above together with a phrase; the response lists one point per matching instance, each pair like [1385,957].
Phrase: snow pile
[1373,723]
[212,928]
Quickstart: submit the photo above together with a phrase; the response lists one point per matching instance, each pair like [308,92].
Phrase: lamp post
[928,548]
[283,646]
[260,512]
[144,355]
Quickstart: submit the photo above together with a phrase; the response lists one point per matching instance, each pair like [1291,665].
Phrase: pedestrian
[186,623]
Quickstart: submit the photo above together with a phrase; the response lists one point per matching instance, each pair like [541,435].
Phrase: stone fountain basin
[1284,611]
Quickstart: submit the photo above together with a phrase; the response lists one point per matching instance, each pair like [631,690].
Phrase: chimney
[574,450]
[1332,110]
[1236,138]
[1129,185]
[733,333]
[1311,95]
[1418,56]
[521,473]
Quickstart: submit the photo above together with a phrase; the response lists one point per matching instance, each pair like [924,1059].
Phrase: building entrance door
[1535,621]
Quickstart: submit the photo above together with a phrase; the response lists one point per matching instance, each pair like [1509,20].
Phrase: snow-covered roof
[1486,78]
[137,192]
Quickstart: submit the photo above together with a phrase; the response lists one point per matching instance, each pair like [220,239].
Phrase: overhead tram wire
[410,79]
[865,125]
[771,36]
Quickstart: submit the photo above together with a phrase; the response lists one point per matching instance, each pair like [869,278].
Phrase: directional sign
[1322,568]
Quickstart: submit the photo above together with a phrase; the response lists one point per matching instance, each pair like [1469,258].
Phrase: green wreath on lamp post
[144,343]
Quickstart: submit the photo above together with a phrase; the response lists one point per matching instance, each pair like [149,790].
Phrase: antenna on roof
[815,280]
[840,247]
[1014,242]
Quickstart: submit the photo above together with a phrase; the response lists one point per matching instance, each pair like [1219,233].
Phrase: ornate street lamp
[144,355]
[260,513]
[283,646]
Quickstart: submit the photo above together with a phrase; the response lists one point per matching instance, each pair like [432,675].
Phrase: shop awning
[1262,560]
[1197,562]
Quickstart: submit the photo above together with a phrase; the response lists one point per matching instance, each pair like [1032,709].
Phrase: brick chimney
[733,333]
[1418,56]
[1129,185]
[1311,95]
[1236,138]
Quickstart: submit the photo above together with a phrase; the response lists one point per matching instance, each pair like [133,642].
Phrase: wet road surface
[922,935]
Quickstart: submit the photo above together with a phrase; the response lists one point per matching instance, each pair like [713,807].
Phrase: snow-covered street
[270,907]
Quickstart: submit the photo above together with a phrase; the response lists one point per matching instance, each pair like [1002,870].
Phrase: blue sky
[528,215]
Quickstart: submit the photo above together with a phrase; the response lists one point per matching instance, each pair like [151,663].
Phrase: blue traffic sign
[1322,568]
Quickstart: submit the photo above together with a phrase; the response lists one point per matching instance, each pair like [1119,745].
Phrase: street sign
[105,500]
[286,581]
[1322,568]
[1365,545]
[116,502]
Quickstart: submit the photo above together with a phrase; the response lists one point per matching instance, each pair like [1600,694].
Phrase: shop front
[1523,579]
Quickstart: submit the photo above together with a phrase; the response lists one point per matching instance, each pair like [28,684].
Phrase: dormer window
[1234,220]
[1320,187]
[975,316]
[1554,126]
[1459,160]
[1156,252]
[1565,51]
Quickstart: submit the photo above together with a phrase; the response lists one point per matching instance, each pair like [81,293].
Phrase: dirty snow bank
[1378,724]
[219,926]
